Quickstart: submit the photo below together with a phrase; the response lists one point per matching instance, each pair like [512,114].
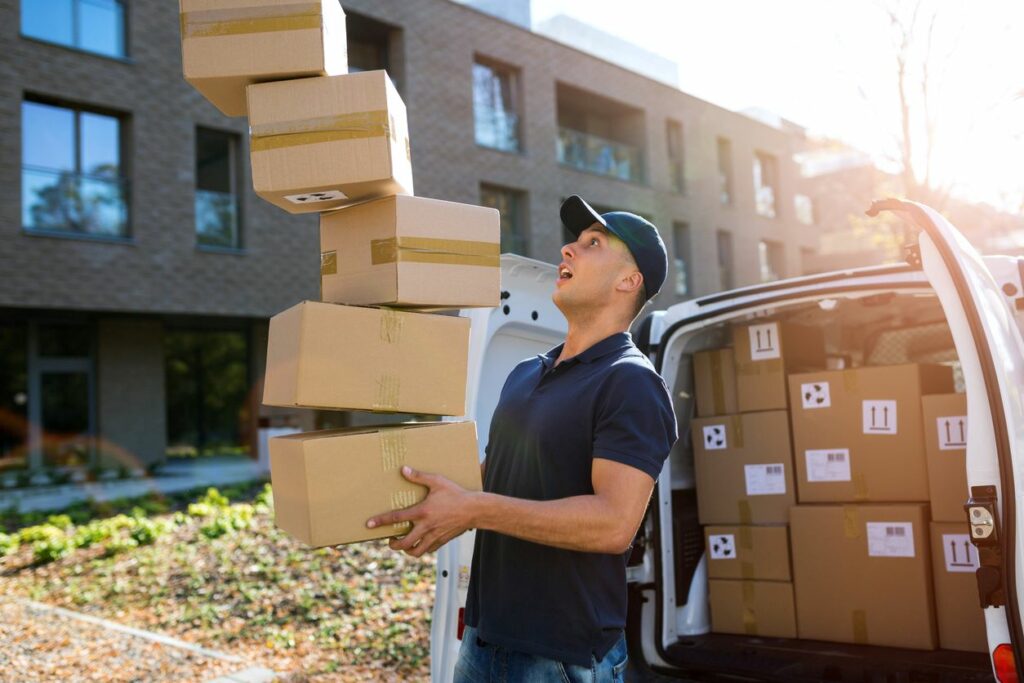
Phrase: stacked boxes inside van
[326,141]
[879,546]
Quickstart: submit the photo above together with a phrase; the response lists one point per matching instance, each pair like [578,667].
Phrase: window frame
[234,182]
[766,166]
[682,237]
[75,43]
[515,89]
[725,260]
[726,194]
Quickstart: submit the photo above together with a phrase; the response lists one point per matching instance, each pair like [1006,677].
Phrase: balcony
[62,201]
[594,154]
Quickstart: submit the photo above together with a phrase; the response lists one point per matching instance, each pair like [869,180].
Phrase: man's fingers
[440,543]
[410,540]
[410,514]
[426,478]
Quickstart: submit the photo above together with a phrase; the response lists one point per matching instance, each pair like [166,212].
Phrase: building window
[510,204]
[373,46]
[725,260]
[13,396]
[217,189]
[496,106]
[71,175]
[91,25]
[766,175]
[803,207]
[724,171]
[599,135]
[677,170]
[681,251]
[62,375]
[771,258]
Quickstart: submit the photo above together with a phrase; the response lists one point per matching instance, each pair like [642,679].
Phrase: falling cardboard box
[352,358]
[857,433]
[945,443]
[758,553]
[954,563]
[411,252]
[862,574]
[753,608]
[714,381]
[327,484]
[227,45]
[744,468]
[323,143]
[765,353]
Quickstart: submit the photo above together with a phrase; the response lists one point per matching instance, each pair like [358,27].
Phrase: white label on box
[764,341]
[815,395]
[714,438]
[765,480]
[879,417]
[829,464]
[314,197]
[961,556]
[890,539]
[952,432]
[723,546]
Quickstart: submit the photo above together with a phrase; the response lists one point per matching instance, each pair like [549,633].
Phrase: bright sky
[829,65]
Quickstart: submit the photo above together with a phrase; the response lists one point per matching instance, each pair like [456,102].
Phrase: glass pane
[65,341]
[48,200]
[101,27]
[103,208]
[47,20]
[13,396]
[216,219]
[65,423]
[48,136]
[101,145]
[213,161]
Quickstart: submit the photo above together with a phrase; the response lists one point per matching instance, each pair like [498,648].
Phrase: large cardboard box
[352,358]
[862,574]
[229,44]
[744,468]
[748,552]
[328,483]
[954,562]
[765,352]
[322,143]
[945,444]
[714,381]
[412,252]
[753,608]
[857,433]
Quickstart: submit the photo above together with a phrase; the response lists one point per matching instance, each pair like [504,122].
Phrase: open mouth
[564,273]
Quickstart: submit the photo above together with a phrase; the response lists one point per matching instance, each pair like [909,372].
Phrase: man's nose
[567,252]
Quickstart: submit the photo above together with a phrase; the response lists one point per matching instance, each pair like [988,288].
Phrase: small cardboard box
[744,468]
[227,45]
[765,353]
[758,553]
[753,608]
[714,381]
[411,252]
[328,483]
[323,143]
[857,433]
[353,358]
[862,574]
[954,562]
[945,443]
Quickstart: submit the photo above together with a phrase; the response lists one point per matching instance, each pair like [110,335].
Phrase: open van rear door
[991,351]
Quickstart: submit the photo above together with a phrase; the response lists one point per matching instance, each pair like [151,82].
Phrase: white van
[948,304]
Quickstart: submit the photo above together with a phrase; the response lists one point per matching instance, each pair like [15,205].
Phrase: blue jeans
[481,662]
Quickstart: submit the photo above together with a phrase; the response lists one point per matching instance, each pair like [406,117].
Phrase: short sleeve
[634,422]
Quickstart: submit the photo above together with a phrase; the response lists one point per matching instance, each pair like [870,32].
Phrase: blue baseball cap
[640,236]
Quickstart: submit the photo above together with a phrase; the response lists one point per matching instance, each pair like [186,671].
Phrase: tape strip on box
[435,250]
[392,449]
[354,126]
[242,20]
[851,522]
[400,500]
[746,516]
[390,326]
[329,263]
[749,614]
[388,390]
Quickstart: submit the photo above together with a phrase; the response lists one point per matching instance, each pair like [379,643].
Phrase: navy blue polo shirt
[550,423]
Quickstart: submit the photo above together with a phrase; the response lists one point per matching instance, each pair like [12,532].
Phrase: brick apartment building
[139,269]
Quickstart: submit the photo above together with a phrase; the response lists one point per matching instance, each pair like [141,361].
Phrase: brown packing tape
[746,537]
[388,391]
[860,487]
[851,522]
[759,367]
[746,569]
[435,250]
[329,263]
[390,326]
[354,126]
[737,431]
[400,500]
[859,620]
[749,613]
[392,449]
[743,506]
[242,20]
[717,386]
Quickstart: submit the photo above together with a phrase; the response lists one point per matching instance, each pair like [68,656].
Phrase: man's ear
[631,282]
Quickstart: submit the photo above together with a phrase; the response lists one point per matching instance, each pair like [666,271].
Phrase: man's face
[590,269]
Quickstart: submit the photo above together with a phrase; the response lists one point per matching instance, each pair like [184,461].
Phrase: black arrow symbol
[949,437]
[768,333]
[963,439]
[885,414]
[952,546]
[967,551]
[872,417]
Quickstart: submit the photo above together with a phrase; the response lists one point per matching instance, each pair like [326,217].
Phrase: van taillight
[1006,668]
[462,627]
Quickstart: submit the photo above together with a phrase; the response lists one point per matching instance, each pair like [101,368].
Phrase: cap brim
[577,215]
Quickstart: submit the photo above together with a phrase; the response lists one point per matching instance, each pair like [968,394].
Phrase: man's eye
[593,240]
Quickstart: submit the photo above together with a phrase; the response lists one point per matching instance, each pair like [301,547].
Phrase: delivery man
[577,440]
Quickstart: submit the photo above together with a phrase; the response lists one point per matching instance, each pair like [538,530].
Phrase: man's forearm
[585,523]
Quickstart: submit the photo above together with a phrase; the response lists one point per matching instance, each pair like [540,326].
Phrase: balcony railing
[216,219]
[595,154]
[496,128]
[73,202]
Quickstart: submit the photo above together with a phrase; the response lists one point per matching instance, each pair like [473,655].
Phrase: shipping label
[879,417]
[828,464]
[723,546]
[890,539]
[961,556]
[715,438]
[764,341]
[316,197]
[765,480]
[952,432]
[815,395]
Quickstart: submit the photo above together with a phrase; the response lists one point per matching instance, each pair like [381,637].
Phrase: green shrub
[265,497]
[91,534]
[146,532]
[39,532]
[59,521]
[214,498]
[119,545]
[217,527]
[51,549]
[8,544]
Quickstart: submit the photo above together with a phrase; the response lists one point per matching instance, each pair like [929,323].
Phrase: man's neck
[585,333]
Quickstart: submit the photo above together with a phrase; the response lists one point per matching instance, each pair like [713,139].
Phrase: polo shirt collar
[615,342]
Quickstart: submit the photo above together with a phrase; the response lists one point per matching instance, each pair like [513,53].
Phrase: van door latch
[983,522]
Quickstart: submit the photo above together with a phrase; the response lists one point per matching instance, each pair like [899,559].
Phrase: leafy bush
[59,521]
[8,544]
[214,498]
[39,532]
[146,532]
[51,549]
[216,528]
[91,534]
[119,545]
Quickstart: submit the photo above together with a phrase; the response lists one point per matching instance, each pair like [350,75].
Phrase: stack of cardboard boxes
[878,455]
[335,143]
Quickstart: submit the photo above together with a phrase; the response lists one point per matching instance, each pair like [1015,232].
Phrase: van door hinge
[983,521]
[912,255]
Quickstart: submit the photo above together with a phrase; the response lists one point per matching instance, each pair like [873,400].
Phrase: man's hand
[445,513]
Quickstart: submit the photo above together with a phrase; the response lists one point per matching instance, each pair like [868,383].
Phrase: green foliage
[146,532]
[8,544]
[215,498]
[59,521]
[51,549]
[119,545]
[40,532]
